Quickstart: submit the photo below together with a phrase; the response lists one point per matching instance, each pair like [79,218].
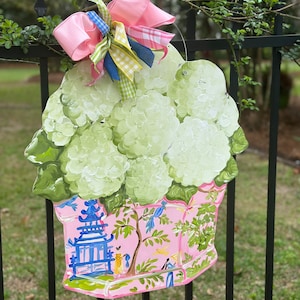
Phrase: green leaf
[8,44]
[127,231]
[228,174]
[41,150]
[114,201]
[238,142]
[50,183]
[164,219]
[180,192]
[134,289]
[248,103]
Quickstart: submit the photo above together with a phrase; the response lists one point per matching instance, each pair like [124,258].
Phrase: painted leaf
[238,142]
[41,150]
[229,173]
[50,183]
[180,192]
[114,201]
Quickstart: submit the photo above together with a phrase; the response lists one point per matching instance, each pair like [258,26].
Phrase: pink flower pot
[138,248]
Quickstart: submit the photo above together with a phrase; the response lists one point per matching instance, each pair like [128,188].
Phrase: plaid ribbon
[101,24]
[121,53]
[150,37]
[103,11]
[126,87]
[115,42]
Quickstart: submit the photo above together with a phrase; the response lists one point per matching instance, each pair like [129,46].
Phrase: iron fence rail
[275,42]
[271,41]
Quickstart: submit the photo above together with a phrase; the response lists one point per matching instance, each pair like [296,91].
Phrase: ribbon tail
[100,50]
[111,67]
[150,37]
[97,71]
[126,61]
[127,88]
[143,52]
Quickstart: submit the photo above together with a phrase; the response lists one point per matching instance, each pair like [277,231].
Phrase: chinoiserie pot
[138,248]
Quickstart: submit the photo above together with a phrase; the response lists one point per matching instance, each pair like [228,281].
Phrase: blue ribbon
[102,26]
[143,52]
[111,67]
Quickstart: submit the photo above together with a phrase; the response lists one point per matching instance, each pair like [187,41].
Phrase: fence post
[1,265]
[230,219]
[44,85]
[41,8]
[273,130]
[191,31]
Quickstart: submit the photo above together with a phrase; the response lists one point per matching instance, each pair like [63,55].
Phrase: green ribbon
[116,43]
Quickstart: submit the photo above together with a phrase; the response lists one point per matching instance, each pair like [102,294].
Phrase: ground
[288,132]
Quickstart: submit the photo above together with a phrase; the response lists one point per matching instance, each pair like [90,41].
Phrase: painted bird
[158,212]
[70,203]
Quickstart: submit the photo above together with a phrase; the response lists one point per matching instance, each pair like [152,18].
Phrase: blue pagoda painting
[92,254]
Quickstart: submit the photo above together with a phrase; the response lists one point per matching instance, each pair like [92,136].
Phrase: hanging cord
[183,41]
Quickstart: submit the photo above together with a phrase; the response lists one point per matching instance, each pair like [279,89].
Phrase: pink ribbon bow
[138,13]
[140,18]
[78,35]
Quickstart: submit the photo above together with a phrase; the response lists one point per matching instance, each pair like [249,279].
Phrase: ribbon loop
[138,13]
[77,35]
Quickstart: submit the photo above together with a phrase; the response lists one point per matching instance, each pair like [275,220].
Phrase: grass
[23,218]
[8,71]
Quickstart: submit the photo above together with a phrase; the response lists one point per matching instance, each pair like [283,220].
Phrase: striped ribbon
[150,37]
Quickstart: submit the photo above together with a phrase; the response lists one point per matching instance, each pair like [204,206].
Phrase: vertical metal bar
[230,240]
[230,220]
[189,291]
[50,250]
[1,266]
[274,121]
[146,296]
[191,30]
[41,8]
[190,35]
[44,85]
[44,81]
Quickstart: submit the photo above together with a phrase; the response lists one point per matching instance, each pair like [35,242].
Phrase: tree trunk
[131,270]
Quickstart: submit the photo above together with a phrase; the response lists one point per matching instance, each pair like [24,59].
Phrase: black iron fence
[274,42]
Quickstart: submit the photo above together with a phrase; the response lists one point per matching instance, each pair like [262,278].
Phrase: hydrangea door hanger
[135,150]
